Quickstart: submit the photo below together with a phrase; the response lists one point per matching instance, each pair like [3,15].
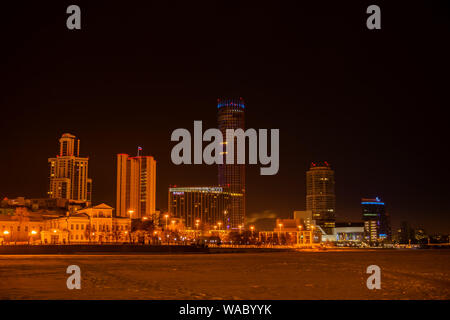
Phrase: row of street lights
[31,234]
[219,224]
[280,225]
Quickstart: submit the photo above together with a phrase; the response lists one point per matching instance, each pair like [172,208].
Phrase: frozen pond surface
[405,274]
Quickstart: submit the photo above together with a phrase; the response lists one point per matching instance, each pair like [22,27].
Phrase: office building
[201,207]
[376,221]
[69,172]
[320,196]
[136,186]
[305,218]
[232,176]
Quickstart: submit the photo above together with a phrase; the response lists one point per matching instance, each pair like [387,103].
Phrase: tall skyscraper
[230,115]
[136,186]
[320,197]
[69,172]
[376,221]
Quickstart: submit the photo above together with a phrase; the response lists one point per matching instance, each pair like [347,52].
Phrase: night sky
[370,102]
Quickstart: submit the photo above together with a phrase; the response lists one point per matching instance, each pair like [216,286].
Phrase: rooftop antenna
[139,149]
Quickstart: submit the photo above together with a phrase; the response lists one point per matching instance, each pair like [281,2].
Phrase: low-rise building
[22,226]
[349,232]
[91,225]
[306,218]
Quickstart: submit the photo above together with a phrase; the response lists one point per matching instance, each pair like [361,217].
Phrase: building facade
[305,218]
[320,195]
[376,221]
[136,186]
[20,226]
[201,207]
[232,176]
[69,172]
[349,232]
[91,225]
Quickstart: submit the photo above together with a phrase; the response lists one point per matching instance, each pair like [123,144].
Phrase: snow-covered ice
[405,274]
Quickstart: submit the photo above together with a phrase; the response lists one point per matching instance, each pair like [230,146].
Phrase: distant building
[287,225]
[349,232]
[136,186]
[305,218]
[43,203]
[209,205]
[230,115]
[91,225]
[20,226]
[69,172]
[376,221]
[291,231]
[320,195]
[420,236]
[406,233]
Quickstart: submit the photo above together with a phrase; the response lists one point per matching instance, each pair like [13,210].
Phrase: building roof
[102,206]
[79,215]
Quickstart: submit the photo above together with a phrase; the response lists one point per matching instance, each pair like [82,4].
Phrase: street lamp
[197,223]
[252,228]
[167,217]
[32,233]
[299,234]
[279,233]
[219,223]
[6,232]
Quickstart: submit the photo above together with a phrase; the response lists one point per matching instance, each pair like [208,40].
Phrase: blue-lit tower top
[376,201]
[233,102]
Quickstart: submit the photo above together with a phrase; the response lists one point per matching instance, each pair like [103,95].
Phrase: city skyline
[336,94]
[73,150]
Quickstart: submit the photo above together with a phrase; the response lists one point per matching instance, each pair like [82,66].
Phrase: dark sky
[370,102]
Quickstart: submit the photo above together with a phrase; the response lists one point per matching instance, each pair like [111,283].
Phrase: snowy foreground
[405,274]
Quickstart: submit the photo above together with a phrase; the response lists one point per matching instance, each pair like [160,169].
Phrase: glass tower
[232,176]
[320,197]
[376,221]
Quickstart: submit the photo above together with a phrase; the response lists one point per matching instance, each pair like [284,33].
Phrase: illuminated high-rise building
[376,221]
[232,176]
[136,186]
[320,196]
[203,207]
[69,172]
